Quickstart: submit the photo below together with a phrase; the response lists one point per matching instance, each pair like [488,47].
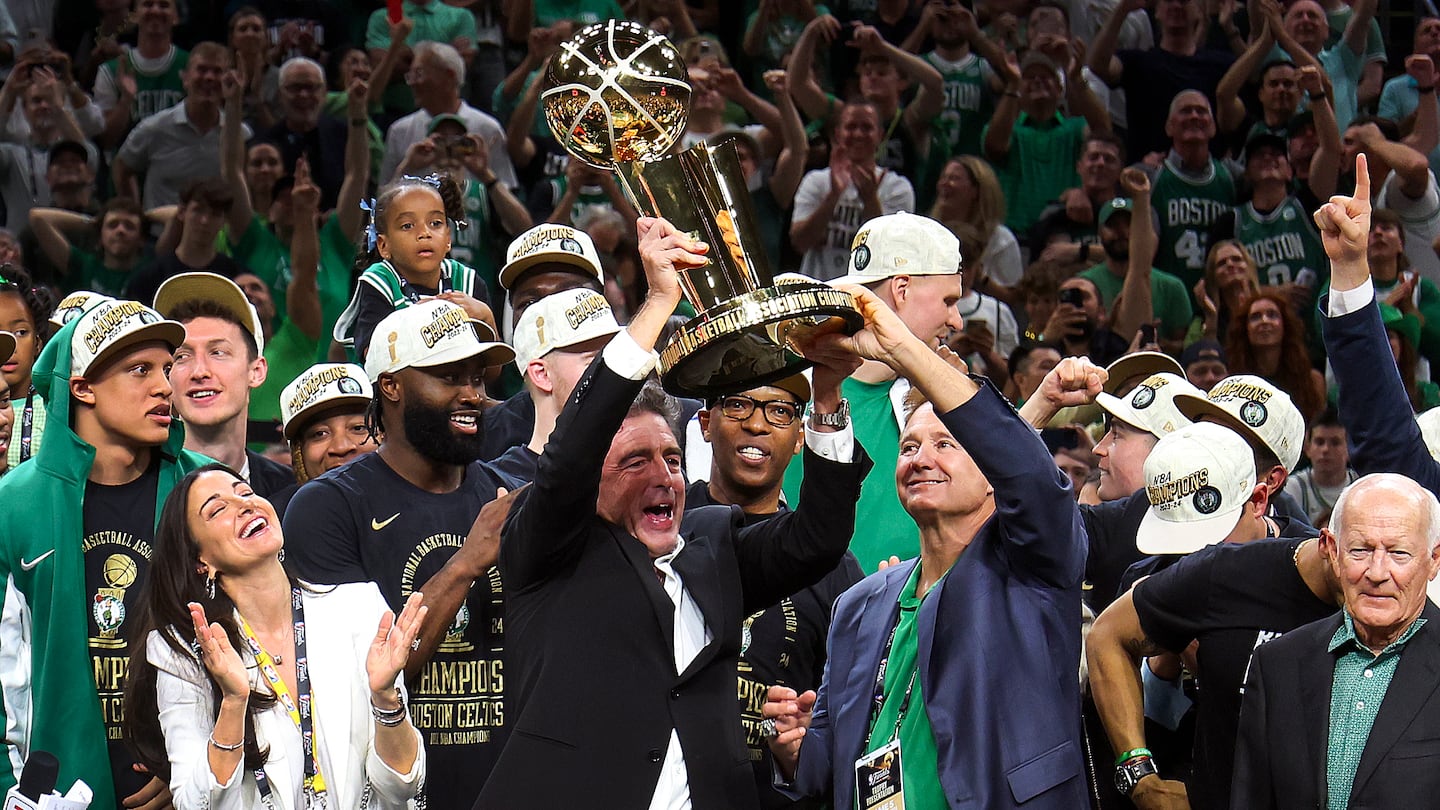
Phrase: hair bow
[368,206]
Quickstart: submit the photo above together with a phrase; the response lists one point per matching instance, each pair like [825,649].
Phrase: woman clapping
[243,663]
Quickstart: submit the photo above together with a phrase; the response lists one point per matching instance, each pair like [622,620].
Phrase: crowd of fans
[315,339]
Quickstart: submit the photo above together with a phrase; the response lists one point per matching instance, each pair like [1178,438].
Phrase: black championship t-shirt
[783,645]
[119,529]
[1232,598]
[363,522]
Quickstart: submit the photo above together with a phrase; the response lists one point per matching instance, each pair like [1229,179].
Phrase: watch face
[1122,781]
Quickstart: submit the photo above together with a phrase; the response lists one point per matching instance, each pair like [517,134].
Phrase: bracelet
[1134,753]
[389,717]
[492,181]
[235,747]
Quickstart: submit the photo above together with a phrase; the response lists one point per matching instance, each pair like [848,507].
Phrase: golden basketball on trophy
[617,98]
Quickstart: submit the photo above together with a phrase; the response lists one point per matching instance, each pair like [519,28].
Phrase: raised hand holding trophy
[617,99]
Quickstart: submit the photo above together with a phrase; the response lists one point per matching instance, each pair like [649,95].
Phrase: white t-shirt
[1002,258]
[832,257]
[981,307]
[1421,221]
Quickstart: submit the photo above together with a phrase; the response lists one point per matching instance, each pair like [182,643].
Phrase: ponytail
[452,196]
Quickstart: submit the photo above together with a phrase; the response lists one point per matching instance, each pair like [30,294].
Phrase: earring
[210,586]
[281,556]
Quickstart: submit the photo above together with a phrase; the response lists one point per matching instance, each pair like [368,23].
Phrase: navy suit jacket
[999,640]
[1373,406]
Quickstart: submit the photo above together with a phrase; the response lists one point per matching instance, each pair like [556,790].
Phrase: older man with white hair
[1358,688]
[303,129]
[436,75]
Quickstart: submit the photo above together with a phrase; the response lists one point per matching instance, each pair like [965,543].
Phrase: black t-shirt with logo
[1231,598]
[363,522]
[119,532]
[782,645]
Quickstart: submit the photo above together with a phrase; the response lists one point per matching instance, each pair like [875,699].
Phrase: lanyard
[27,424]
[414,297]
[890,132]
[879,691]
[300,707]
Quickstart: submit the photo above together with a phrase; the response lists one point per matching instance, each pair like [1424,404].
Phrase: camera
[1072,296]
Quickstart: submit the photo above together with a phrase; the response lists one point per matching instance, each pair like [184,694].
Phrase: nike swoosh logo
[377,525]
[30,566]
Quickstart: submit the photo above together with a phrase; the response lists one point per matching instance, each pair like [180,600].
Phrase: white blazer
[340,625]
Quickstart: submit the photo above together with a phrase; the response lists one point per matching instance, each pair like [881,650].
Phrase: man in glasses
[305,130]
[753,435]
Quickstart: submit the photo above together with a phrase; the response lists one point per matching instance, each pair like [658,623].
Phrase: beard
[430,433]
[1117,249]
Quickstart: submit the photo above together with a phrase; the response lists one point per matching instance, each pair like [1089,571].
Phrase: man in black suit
[623,621]
[1344,712]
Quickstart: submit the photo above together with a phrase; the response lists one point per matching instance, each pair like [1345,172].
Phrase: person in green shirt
[433,21]
[912,264]
[958,670]
[1170,301]
[1192,189]
[1033,146]
[267,250]
[121,228]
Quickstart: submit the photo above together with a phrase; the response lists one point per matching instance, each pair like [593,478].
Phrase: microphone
[37,779]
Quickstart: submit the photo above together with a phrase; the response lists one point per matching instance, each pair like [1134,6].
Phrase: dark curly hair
[452,197]
[40,301]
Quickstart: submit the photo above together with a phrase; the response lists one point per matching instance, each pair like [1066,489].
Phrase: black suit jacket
[1280,757]
[591,688]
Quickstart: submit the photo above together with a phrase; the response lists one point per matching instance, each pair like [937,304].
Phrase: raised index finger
[1362,178]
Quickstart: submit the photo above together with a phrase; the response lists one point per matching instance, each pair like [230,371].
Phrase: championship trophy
[617,99]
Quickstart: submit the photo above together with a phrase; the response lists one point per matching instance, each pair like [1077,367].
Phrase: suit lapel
[1317,673]
[1416,677]
[879,615]
[639,558]
[696,568]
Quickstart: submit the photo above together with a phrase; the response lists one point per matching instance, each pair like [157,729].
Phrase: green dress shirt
[1361,680]
[919,760]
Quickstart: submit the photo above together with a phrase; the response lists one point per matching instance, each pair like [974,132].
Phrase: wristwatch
[839,419]
[1129,773]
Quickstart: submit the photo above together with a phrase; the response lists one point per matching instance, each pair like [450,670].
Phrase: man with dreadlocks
[400,517]
[406,257]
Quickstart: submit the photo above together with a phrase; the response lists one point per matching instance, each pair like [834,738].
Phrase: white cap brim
[1159,536]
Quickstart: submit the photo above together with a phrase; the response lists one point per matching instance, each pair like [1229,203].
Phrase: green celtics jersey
[474,246]
[969,103]
[1284,245]
[157,89]
[1188,206]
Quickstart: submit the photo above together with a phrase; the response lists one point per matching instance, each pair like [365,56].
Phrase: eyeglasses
[777,412]
[302,87]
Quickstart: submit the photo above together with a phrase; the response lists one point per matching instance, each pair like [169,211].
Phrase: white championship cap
[549,242]
[431,333]
[1197,479]
[1257,410]
[1150,406]
[563,319]
[74,305]
[321,387]
[901,245]
[112,326]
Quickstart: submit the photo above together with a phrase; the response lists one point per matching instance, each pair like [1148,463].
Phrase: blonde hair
[988,212]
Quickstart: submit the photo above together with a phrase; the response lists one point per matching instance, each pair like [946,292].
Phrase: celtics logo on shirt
[455,637]
[108,606]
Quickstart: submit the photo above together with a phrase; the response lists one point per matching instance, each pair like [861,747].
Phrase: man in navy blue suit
[954,678]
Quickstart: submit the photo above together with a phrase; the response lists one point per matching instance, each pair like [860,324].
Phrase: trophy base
[750,340]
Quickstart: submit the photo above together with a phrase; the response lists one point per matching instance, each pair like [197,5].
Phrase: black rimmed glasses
[778,412]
